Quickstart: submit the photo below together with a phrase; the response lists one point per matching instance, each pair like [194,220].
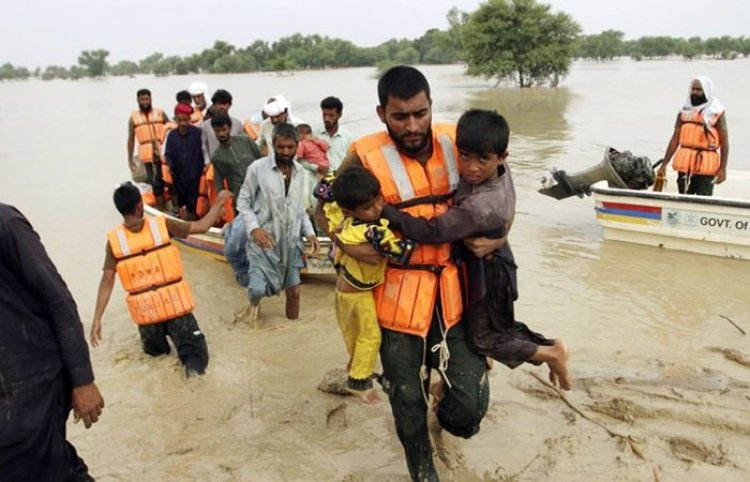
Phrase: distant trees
[604,46]
[520,41]
[517,40]
[94,61]
[8,72]
[610,44]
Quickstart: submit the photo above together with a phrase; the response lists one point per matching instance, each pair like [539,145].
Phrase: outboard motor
[620,169]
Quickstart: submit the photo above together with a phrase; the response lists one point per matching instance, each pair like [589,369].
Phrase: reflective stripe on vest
[150,270]
[698,146]
[149,130]
[405,301]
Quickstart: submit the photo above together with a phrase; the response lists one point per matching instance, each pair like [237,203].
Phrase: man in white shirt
[338,139]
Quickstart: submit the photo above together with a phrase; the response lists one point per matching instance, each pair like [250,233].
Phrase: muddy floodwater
[661,377]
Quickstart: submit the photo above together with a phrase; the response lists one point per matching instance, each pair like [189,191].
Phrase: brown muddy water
[661,389]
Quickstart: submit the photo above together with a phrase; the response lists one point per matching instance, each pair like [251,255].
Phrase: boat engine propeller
[620,169]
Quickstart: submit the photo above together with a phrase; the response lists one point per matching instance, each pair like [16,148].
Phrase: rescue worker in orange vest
[701,141]
[146,124]
[419,306]
[159,299]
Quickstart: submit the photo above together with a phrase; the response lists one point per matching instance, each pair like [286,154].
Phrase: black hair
[285,130]
[354,187]
[183,96]
[482,132]
[126,197]
[220,118]
[331,102]
[143,92]
[402,82]
[221,96]
[304,128]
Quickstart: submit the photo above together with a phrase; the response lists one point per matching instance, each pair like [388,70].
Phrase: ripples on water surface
[63,148]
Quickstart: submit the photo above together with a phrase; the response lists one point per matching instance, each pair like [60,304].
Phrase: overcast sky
[45,32]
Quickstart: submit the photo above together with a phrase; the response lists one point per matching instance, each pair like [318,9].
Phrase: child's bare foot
[559,373]
[363,390]
[368,397]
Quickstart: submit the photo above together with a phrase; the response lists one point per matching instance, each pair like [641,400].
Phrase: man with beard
[271,203]
[230,161]
[701,140]
[278,110]
[338,139]
[44,362]
[419,306]
[221,101]
[147,125]
[185,160]
[197,91]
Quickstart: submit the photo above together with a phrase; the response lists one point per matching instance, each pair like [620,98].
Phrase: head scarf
[711,109]
[277,106]
[183,109]
[197,88]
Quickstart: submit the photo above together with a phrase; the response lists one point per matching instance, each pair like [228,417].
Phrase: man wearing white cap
[279,111]
[198,90]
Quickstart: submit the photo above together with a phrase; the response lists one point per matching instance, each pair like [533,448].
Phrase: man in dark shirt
[231,160]
[44,361]
[184,156]
[232,157]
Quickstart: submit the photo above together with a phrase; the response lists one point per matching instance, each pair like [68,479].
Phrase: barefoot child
[484,205]
[355,217]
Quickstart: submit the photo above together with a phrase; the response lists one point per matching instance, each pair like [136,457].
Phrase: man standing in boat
[272,205]
[419,306]
[221,101]
[184,156]
[701,140]
[197,91]
[150,269]
[338,138]
[146,124]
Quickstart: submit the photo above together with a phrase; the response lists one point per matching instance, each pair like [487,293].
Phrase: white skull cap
[197,88]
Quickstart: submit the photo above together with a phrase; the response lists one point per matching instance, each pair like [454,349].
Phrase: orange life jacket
[207,195]
[150,270]
[251,129]
[699,146]
[406,299]
[149,131]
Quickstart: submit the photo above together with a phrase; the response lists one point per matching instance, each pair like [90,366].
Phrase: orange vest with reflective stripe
[406,299]
[251,129]
[149,131]
[150,270]
[699,146]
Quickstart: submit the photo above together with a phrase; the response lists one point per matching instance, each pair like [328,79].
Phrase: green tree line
[518,41]
[611,44]
[295,52]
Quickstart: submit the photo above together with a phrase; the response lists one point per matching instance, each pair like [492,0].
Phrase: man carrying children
[419,306]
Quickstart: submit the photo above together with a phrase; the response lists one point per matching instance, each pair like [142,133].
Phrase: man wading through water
[419,306]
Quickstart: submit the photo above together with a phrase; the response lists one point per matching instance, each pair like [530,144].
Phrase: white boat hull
[717,226]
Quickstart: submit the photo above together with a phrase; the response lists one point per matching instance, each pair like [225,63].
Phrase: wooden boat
[211,245]
[718,225]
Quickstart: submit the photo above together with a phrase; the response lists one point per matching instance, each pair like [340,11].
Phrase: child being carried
[352,207]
